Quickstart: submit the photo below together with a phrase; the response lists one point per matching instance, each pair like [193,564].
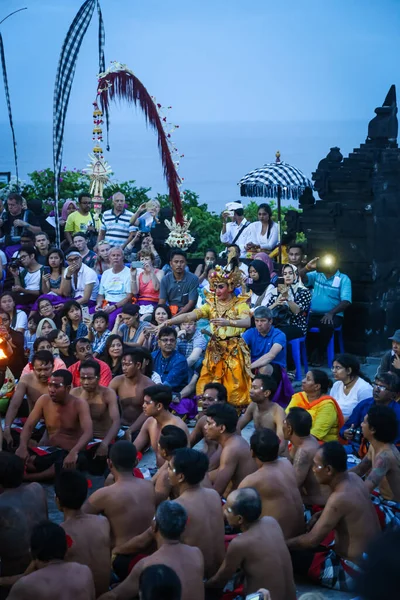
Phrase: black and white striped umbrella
[274,180]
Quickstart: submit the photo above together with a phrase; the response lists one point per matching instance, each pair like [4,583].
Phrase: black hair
[265,444]
[130,309]
[71,489]
[164,307]
[39,340]
[221,390]
[381,568]
[297,245]
[334,455]
[300,420]
[167,331]
[72,249]
[84,195]
[48,542]
[239,212]
[100,314]
[90,363]
[135,353]
[171,519]
[60,254]
[65,375]
[237,248]
[177,252]
[85,340]
[159,581]
[123,455]
[384,421]
[322,379]
[41,300]
[44,356]
[67,307]
[106,352]
[50,337]
[172,438]
[391,381]
[8,293]
[224,414]
[11,470]
[349,361]
[80,234]
[268,383]
[46,235]
[211,250]
[247,504]
[29,250]
[146,356]
[192,464]
[35,317]
[268,210]
[159,394]
[17,197]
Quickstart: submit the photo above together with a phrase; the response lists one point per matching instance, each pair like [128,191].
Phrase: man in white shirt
[115,287]
[233,232]
[79,281]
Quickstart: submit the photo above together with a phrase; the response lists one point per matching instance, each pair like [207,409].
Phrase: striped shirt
[117,228]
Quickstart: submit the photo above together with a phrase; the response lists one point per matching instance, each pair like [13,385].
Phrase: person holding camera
[82,220]
[234,232]
[27,273]
[210,260]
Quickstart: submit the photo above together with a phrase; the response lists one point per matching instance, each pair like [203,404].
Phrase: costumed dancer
[227,357]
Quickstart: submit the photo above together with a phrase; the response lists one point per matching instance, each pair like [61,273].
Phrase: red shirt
[105,373]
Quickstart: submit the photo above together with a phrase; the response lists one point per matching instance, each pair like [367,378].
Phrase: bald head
[246,502]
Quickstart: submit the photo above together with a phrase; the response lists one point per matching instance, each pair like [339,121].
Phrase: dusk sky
[243,79]
[214,60]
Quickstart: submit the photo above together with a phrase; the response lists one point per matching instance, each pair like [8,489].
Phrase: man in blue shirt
[171,366]
[331,296]
[267,344]
[386,390]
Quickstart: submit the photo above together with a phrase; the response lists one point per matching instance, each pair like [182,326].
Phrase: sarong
[331,571]
[388,511]
[228,362]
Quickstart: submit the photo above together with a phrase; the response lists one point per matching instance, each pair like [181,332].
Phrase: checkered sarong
[64,79]
[331,571]
[388,511]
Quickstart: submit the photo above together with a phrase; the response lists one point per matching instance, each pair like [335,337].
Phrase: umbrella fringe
[254,190]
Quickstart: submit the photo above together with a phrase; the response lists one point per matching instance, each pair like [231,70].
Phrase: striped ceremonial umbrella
[275,180]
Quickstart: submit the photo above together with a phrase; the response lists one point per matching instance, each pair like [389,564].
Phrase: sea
[215,155]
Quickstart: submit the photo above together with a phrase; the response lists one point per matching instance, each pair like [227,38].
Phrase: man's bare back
[91,546]
[205,526]
[302,459]
[235,464]
[130,393]
[386,461]
[186,561]
[276,483]
[61,580]
[99,408]
[128,504]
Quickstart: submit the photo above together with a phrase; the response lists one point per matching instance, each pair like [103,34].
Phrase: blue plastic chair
[299,353]
[331,345]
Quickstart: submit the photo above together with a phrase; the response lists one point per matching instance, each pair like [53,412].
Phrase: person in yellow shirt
[81,220]
[327,418]
[227,356]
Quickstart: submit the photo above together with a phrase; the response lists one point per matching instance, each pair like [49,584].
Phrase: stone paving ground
[369,369]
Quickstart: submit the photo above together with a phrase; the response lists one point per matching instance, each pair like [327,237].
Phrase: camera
[15,263]
[357,434]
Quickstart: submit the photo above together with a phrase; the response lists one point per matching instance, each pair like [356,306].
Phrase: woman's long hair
[62,258]
[322,379]
[106,352]
[267,209]
[349,361]
[67,307]
[167,310]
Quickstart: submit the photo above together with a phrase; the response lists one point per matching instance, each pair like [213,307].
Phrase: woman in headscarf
[259,283]
[270,264]
[68,208]
[293,296]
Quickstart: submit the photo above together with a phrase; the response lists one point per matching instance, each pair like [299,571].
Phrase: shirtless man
[236,461]
[349,512]
[262,410]
[382,463]
[296,429]
[275,481]
[171,439]
[50,576]
[129,503]
[186,561]
[32,386]
[90,535]
[68,427]
[259,551]
[213,392]
[205,525]
[157,399]
[22,506]
[129,388]
[103,406]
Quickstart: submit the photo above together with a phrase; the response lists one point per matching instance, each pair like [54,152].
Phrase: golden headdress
[231,274]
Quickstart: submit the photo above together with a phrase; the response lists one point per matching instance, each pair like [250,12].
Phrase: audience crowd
[108,350]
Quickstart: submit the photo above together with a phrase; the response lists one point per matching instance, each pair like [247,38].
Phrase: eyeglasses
[381,388]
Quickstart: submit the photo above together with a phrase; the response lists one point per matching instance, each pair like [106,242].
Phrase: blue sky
[214,60]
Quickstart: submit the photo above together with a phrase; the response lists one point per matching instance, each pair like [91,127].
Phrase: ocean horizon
[216,155]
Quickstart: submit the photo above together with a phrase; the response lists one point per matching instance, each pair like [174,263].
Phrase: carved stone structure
[358,219]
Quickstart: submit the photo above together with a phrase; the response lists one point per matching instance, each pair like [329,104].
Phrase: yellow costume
[227,357]
[327,418]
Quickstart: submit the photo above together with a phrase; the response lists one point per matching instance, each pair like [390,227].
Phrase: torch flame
[3,355]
